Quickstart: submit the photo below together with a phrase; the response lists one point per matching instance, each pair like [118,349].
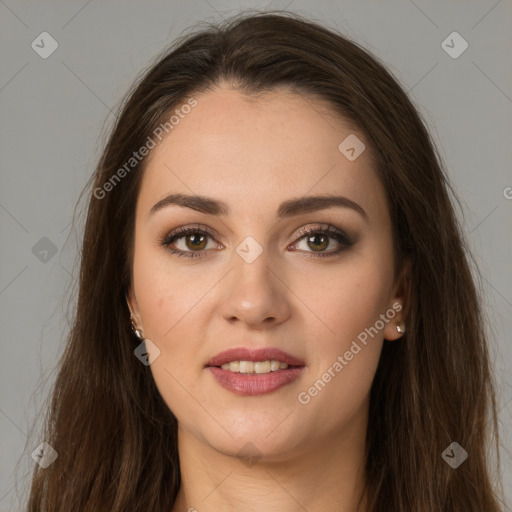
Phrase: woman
[276,309]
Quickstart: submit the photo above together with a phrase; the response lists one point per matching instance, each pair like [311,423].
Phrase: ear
[131,301]
[399,303]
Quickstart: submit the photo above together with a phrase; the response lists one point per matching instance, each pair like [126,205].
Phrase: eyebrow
[289,208]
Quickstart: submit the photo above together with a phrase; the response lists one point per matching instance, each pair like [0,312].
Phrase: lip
[255,384]
[253,354]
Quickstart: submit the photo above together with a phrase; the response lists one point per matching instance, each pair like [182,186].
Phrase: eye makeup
[200,233]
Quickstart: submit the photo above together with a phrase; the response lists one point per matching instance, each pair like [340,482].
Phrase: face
[250,276]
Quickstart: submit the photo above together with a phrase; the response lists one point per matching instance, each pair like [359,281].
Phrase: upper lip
[253,354]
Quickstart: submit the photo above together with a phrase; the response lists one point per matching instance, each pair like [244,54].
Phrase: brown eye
[318,240]
[191,242]
[196,241]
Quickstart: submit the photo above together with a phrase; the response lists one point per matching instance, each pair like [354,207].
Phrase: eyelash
[331,231]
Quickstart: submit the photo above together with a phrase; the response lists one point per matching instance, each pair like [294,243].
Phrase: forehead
[255,152]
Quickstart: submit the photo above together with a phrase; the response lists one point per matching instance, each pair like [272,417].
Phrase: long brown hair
[115,437]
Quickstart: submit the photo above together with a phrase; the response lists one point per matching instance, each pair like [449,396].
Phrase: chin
[256,443]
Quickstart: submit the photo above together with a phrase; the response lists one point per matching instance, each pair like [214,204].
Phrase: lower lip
[255,383]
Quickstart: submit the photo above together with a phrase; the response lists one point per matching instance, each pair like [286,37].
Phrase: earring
[399,328]
[137,332]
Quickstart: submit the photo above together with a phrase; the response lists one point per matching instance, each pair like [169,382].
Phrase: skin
[253,154]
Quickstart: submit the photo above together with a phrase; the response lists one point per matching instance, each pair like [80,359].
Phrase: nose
[256,293]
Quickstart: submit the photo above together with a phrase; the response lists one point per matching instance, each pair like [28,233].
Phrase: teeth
[275,365]
[254,367]
[262,367]
[234,366]
[246,367]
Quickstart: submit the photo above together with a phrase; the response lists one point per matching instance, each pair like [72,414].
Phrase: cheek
[170,307]
[346,335]
[151,284]
[164,293]
[345,359]
[345,300]
[173,302]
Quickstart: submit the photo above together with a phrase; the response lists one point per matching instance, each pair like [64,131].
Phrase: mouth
[256,367]
[246,371]
[264,359]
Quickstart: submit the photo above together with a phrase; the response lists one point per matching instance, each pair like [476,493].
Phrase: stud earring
[399,328]
[137,332]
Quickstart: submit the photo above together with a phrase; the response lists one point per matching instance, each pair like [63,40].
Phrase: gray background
[55,112]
